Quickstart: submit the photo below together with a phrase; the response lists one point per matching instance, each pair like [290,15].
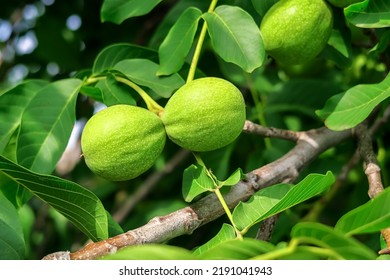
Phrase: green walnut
[296,31]
[343,3]
[121,142]
[205,114]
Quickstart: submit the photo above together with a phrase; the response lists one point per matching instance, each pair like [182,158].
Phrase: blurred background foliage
[53,39]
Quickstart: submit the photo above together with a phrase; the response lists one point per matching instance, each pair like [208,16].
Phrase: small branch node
[252,179]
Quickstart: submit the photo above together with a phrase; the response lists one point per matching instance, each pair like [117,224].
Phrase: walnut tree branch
[184,221]
[253,128]
[372,171]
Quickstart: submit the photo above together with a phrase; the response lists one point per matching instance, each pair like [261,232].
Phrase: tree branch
[372,170]
[253,128]
[184,221]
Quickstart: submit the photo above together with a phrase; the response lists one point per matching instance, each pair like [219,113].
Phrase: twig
[253,128]
[372,170]
[184,221]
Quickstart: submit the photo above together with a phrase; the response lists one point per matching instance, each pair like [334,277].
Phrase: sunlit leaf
[233,179]
[76,203]
[12,246]
[236,37]
[372,216]
[112,54]
[275,199]
[171,17]
[115,93]
[13,103]
[195,182]
[327,237]
[118,10]
[46,125]
[348,109]
[369,14]
[175,47]
[226,233]
[144,72]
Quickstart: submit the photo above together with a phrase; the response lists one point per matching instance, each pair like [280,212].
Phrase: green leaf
[170,19]
[369,14]
[77,204]
[17,195]
[275,199]
[12,246]
[383,42]
[265,199]
[46,125]
[117,11]
[176,45]
[226,233]
[93,92]
[233,179]
[372,216]
[151,252]
[113,227]
[144,72]
[327,237]
[112,54]
[237,250]
[13,103]
[263,6]
[236,37]
[195,182]
[114,92]
[348,109]
[338,48]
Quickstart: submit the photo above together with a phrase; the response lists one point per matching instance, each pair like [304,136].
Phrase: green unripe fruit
[205,114]
[296,31]
[343,3]
[121,142]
